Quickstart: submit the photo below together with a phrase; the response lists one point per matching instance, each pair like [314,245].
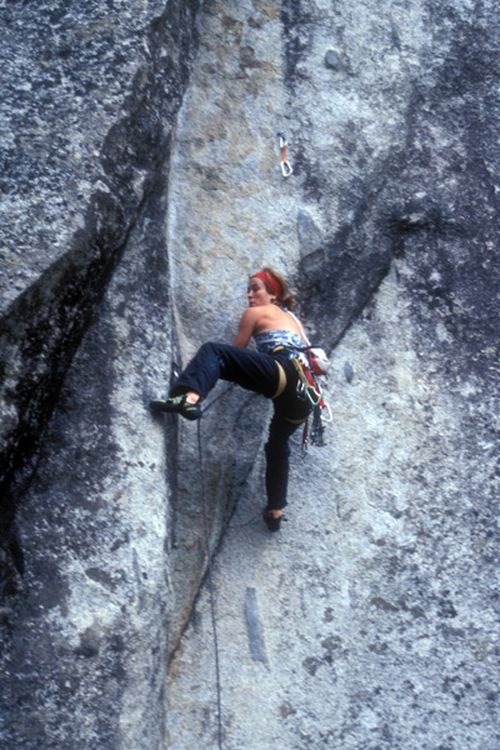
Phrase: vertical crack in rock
[42,330]
[225,194]
[392,114]
[83,465]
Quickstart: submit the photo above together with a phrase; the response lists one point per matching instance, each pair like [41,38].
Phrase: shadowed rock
[141,186]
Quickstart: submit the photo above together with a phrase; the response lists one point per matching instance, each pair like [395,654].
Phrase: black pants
[259,373]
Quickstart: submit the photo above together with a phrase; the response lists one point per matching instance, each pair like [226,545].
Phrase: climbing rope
[224,393]
[210,579]
[210,584]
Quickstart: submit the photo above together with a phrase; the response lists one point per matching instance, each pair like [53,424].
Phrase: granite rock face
[142,185]
[360,626]
[89,114]
[369,620]
[87,339]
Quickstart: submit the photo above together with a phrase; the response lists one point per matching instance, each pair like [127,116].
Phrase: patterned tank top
[269,340]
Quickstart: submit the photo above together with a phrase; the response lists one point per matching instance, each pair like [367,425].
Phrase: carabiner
[286,167]
[313,395]
[326,406]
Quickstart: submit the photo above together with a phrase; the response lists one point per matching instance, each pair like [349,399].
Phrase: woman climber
[268,371]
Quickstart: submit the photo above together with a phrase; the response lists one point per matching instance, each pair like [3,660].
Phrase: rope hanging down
[210,587]
[206,530]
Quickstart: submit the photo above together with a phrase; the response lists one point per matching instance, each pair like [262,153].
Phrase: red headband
[272,283]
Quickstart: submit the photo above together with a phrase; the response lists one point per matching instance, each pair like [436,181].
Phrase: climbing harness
[317,358]
[307,375]
[318,361]
[286,167]
[311,362]
[310,388]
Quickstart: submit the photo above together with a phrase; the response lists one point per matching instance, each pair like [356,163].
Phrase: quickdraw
[286,168]
[313,393]
[311,388]
[305,362]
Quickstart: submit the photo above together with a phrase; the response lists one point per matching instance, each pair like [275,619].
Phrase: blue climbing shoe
[176,405]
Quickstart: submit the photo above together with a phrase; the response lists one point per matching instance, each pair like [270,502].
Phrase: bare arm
[245,329]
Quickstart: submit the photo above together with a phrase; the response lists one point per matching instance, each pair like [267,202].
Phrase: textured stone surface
[369,621]
[88,123]
[85,588]
[376,602]
[87,659]
[372,621]
[67,72]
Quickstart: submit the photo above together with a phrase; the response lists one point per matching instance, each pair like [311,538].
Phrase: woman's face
[257,293]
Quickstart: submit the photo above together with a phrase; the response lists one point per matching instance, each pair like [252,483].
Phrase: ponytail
[286,298]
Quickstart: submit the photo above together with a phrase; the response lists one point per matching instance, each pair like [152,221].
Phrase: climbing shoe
[177,405]
[272,523]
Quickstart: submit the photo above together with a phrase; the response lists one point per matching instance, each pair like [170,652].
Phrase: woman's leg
[251,370]
[277,453]
[291,410]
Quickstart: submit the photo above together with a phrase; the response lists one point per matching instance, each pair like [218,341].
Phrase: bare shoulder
[271,317]
[263,318]
[250,316]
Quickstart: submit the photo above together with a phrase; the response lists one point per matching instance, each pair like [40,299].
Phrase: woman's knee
[210,353]
[207,347]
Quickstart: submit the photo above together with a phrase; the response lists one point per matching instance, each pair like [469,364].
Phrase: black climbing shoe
[177,405]
[272,523]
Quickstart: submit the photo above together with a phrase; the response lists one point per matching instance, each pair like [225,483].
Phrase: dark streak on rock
[42,330]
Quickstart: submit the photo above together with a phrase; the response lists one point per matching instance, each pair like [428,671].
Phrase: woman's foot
[272,518]
[178,405]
